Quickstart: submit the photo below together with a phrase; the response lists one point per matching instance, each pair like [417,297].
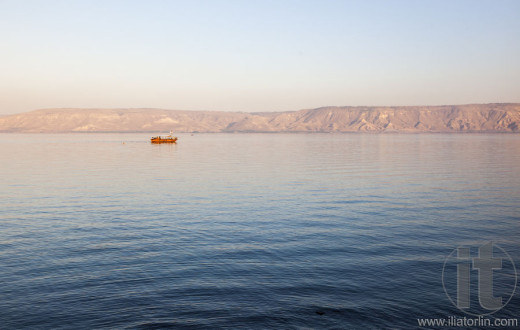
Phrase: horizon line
[245,111]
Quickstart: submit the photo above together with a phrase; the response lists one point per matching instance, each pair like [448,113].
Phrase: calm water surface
[246,230]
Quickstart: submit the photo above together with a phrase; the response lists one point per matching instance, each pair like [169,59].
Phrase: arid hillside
[451,118]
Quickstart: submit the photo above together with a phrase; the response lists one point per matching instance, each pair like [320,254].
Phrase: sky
[256,55]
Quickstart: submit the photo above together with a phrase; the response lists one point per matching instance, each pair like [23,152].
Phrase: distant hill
[449,118]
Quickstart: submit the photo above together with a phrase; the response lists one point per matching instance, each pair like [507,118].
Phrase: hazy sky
[256,55]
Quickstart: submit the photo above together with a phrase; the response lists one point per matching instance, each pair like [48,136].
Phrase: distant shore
[473,118]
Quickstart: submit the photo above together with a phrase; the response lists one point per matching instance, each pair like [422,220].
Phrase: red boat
[164,139]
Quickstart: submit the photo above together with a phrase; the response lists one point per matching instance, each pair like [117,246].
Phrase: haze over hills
[503,117]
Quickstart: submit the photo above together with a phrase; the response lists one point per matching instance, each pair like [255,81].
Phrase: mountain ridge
[494,117]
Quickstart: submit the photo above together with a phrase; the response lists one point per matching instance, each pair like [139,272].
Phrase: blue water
[246,230]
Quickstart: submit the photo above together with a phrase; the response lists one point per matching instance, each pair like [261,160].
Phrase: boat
[164,139]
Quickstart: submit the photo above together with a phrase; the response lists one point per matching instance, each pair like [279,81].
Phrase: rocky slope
[453,118]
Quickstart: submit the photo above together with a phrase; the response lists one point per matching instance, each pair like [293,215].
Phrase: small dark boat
[164,139]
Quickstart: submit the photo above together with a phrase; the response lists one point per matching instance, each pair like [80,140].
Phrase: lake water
[248,230]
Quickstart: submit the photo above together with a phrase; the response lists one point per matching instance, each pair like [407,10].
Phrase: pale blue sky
[257,55]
